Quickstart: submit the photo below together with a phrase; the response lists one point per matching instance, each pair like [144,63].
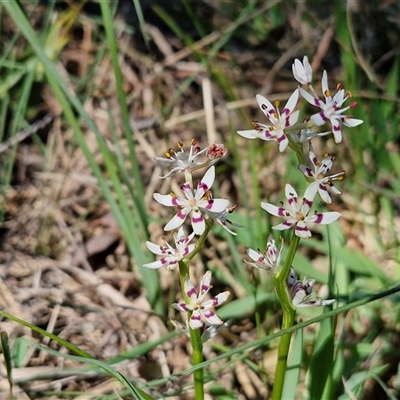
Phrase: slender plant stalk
[195,335]
[288,319]
[197,358]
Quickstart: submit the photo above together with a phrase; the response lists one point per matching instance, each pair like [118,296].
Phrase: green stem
[288,319]
[195,334]
[197,358]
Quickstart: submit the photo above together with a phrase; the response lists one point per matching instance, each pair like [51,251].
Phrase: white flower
[202,310]
[302,72]
[331,109]
[297,215]
[318,175]
[301,292]
[268,261]
[171,256]
[195,200]
[279,121]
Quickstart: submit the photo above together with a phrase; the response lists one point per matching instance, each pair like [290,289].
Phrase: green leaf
[7,358]
[293,367]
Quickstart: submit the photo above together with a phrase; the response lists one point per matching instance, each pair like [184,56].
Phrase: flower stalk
[287,319]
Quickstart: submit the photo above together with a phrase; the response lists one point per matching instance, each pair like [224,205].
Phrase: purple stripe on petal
[307,202]
[204,288]
[184,307]
[209,204]
[196,317]
[282,212]
[181,214]
[203,186]
[323,116]
[198,219]
[186,186]
[209,314]
[174,201]
[319,219]
[281,138]
[322,187]
[301,228]
[191,292]
[336,128]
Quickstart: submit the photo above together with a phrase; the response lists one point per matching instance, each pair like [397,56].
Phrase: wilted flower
[302,293]
[330,109]
[279,121]
[196,200]
[222,219]
[171,256]
[302,71]
[318,175]
[297,215]
[182,161]
[202,310]
[306,135]
[270,260]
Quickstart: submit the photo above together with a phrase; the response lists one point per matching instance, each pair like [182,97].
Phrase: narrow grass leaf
[136,392]
[293,367]
[357,380]
[322,361]
[5,348]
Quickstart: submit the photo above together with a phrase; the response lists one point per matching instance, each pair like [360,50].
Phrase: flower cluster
[195,201]
[202,311]
[283,127]
[198,201]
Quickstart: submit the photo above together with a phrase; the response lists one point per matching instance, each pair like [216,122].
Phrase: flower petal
[214,205]
[177,220]
[205,183]
[274,210]
[198,223]
[248,134]
[211,318]
[165,199]
[154,264]
[284,225]
[323,218]
[195,321]
[155,248]
[302,230]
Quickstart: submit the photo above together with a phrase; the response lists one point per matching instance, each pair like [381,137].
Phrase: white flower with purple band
[196,202]
[170,256]
[296,214]
[268,261]
[279,121]
[331,108]
[302,293]
[321,182]
[202,310]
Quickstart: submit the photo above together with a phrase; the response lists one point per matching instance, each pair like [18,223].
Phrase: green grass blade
[5,348]
[121,212]
[322,361]
[293,367]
